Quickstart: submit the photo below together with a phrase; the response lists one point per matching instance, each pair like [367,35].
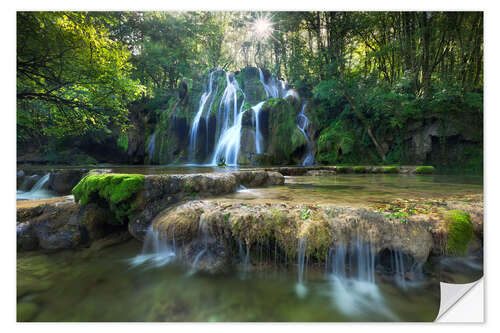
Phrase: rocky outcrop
[60,223]
[161,191]
[281,226]
[62,181]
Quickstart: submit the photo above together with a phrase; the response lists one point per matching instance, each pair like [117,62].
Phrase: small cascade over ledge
[302,124]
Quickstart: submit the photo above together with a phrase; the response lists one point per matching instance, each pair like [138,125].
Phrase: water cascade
[156,251]
[203,239]
[302,123]
[258,134]
[38,191]
[151,146]
[351,271]
[196,121]
[300,288]
[228,143]
[271,88]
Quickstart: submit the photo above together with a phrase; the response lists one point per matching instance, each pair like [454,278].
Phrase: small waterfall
[203,238]
[300,288]
[271,88]
[351,271]
[38,191]
[228,145]
[405,272]
[245,259]
[258,135]
[196,121]
[151,146]
[302,123]
[156,251]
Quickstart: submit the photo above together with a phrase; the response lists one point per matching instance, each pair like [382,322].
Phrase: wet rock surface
[62,181]
[324,227]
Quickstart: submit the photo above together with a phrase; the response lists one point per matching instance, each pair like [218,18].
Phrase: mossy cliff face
[249,81]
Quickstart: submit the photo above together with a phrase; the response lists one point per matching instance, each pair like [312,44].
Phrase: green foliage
[305,213]
[343,169]
[222,162]
[122,142]
[117,190]
[189,191]
[460,232]
[71,77]
[427,170]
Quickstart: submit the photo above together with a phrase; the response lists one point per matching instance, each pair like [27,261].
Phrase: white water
[151,146]
[228,145]
[271,87]
[351,271]
[258,134]
[300,288]
[302,123]
[196,121]
[156,252]
[38,191]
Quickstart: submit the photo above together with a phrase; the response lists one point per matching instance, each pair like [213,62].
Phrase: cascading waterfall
[151,146]
[300,288]
[228,146]
[196,121]
[203,236]
[271,88]
[38,191]
[156,251]
[258,134]
[302,123]
[351,271]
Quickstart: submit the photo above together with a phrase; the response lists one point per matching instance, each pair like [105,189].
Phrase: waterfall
[203,238]
[245,260]
[228,145]
[300,288]
[271,88]
[151,146]
[302,123]
[258,135]
[403,269]
[156,251]
[38,191]
[196,121]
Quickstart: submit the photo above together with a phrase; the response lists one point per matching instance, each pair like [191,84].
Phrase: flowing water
[145,282]
[38,191]
[258,134]
[302,123]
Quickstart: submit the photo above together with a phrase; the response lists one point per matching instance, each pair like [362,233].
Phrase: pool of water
[362,190]
[79,286]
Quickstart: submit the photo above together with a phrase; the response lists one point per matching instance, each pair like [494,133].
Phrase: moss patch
[425,170]
[360,169]
[390,169]
[118,190]
[460,232]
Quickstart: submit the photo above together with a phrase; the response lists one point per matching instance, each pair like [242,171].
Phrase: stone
[63,181]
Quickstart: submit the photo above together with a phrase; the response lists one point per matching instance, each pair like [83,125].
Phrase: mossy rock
[460,232]
[390,169]
[343,169]
[118,190]
[360,169]
[425,170]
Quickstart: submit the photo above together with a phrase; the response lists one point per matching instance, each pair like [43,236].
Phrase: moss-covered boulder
[249,81]
[460,232]
[425,170]
[118,191]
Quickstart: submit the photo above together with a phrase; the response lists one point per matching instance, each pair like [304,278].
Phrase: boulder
[63,181]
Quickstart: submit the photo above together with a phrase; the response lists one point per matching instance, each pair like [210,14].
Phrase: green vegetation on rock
[390,169]
[460,232]
[360,169]
[118,190]
[425,170]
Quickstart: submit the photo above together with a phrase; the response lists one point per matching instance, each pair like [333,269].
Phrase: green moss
[318,238]
[390,169]
[427,170]
[118,190]
[460,232]
[360,169]
[343,169]
[122,142]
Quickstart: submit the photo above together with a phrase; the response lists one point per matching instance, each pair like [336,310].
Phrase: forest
[381,87]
